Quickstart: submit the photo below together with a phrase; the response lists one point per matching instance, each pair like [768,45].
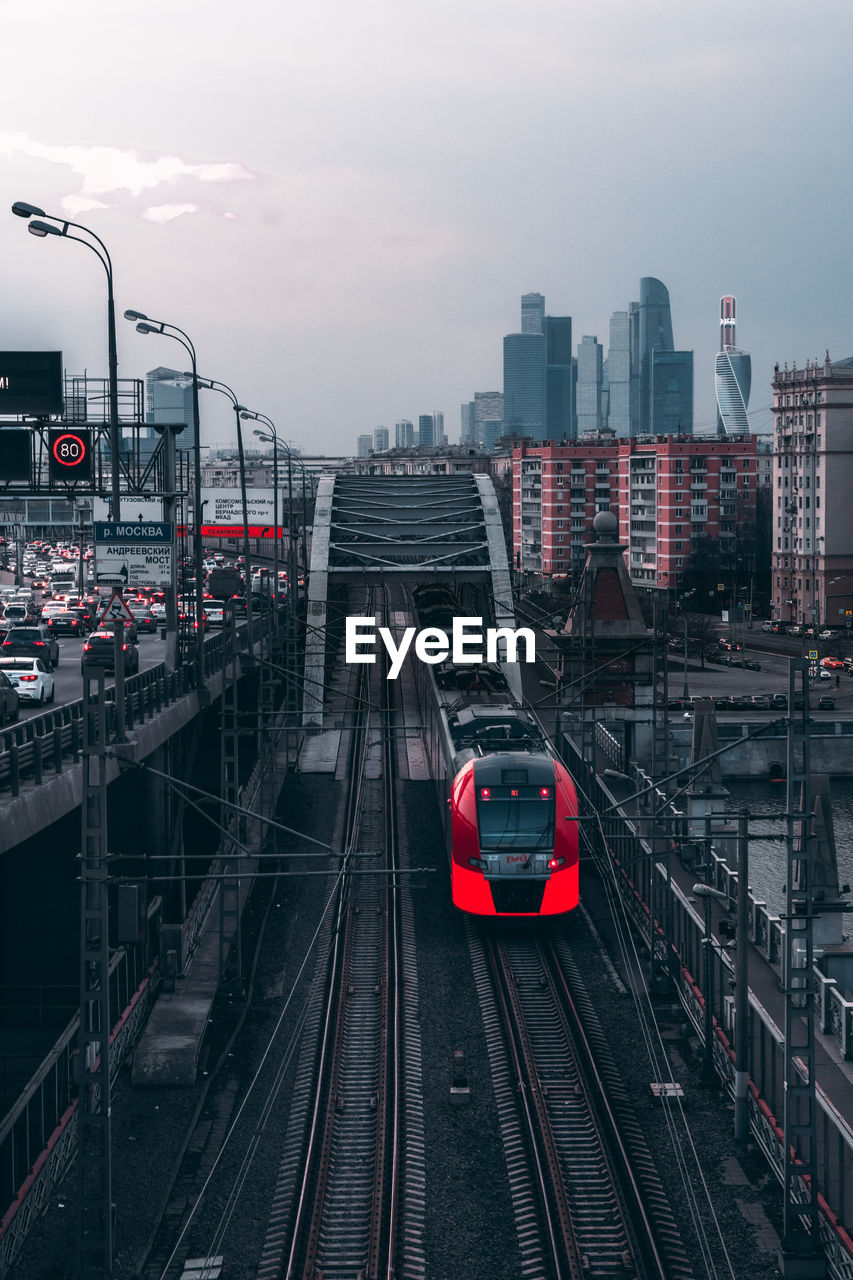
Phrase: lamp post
[42,229]
[741,1039]
[94,1242]
[144,325]
[213,384]
[271,437]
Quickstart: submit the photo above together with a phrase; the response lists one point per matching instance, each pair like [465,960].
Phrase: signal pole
[94,1182]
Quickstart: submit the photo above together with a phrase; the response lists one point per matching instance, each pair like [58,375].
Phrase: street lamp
[213,384]
[41,230]
[144,325]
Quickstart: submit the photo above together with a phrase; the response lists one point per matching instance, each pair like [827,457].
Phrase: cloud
[108,171]
[163,213]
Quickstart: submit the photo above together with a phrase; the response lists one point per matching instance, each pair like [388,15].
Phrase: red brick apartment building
[675,496]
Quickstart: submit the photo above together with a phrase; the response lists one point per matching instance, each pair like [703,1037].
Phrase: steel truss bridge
[415,529]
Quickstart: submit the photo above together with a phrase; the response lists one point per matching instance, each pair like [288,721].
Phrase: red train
[510,805]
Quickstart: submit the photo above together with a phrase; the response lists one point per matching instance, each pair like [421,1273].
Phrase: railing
[638,860]
[44,744]
[38,1137]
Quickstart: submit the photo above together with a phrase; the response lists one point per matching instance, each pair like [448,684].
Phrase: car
[825,703]
[31,678]
[780,701]
[9,700]
[18,615]
[823,674]
[99,650]
[762,701]
[31,642]
[143,618]
[217,613]
[795,630]
[752,664]
[831,664]
[66,623]
[158,611]
[826,635]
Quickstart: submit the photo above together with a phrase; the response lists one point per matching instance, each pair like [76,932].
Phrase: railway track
[587,1199]
[345,1187]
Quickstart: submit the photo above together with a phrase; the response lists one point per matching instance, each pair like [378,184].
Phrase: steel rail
[553,1208]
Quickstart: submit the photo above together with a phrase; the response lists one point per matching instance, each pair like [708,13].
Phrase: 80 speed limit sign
[70,453]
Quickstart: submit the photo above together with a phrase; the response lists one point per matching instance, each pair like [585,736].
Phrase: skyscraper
[559,406]
[380,439]
[404,434]
[590,357]
[671,393]
[488,407]
[666,400]
[365,445]
[169,399]
[532,313]
[524,383]
[426,431]
[732,375]
[619,374]
[467,434]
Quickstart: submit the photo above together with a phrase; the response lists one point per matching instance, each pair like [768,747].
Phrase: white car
[158,609]
[31,678]
[216,612]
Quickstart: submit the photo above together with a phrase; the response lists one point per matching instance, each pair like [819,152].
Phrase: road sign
[812,655]
[115,610]
[134,553]
[70,453]
[721,586]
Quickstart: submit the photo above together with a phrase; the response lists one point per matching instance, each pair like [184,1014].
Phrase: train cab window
[519,817]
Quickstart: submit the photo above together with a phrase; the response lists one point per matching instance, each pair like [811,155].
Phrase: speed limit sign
[70,453]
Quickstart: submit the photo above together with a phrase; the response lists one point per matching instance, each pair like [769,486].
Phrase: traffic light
[70,453]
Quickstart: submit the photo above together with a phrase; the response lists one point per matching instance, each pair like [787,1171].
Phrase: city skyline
[344,266]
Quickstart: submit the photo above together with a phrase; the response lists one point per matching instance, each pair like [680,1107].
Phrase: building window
[678,562]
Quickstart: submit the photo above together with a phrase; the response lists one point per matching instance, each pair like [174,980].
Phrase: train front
[514,838]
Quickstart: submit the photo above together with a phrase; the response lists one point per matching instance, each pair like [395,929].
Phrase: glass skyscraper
[671,393]
[532,313]
[666,375]
[619,374]
[732,375]
[524,384]
[559,409]
[590,377]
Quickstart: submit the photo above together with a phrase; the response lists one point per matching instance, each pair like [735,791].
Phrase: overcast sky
[342,203]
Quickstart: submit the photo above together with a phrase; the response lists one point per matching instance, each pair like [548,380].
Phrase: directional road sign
[134,553]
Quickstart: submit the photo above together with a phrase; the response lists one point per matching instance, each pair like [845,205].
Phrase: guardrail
[45,744]
[38,1137]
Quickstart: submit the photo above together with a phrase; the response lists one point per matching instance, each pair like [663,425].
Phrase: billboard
[15,455]
[30,383]
[222,513]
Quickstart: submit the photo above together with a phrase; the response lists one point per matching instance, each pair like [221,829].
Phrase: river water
[767,858]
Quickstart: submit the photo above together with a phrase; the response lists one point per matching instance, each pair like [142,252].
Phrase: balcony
[696,485]
[697,468]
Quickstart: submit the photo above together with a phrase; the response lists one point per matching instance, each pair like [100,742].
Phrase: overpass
[417,529]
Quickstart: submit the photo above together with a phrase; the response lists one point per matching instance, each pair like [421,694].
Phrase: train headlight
[555,863]
[477,863]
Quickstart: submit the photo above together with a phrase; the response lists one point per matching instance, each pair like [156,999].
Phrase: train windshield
[515,818]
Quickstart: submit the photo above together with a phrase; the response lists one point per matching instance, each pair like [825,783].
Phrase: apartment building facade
[678,499]
[812,548]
